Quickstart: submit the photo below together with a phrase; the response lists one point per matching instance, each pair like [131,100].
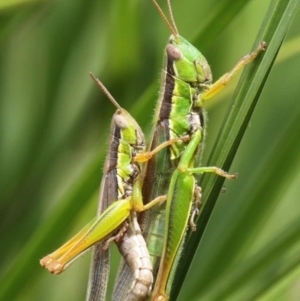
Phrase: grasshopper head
[188,63]
[130,131]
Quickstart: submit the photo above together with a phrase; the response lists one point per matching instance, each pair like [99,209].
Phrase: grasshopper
[120,194]
[186,84]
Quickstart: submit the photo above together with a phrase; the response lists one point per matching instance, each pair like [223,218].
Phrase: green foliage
[54,128]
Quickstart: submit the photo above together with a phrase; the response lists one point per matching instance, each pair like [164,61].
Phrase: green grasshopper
[186,85]
[185,63]
[120,195]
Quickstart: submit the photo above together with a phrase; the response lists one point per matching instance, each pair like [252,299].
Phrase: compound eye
[207,72]
[120,121]
[173,52]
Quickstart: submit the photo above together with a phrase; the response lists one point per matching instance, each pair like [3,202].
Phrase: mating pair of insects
[149,199]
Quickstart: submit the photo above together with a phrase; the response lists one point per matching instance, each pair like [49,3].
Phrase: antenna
[173,29]
[171,16]
[105,91]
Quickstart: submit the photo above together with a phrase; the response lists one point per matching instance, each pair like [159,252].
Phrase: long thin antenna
[105,91]
[173,30]
[172,17]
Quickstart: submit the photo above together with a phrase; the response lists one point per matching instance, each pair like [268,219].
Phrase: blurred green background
[54,133]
